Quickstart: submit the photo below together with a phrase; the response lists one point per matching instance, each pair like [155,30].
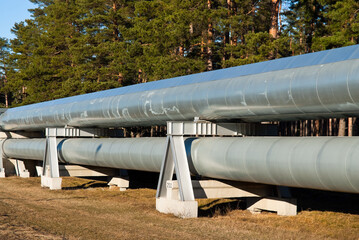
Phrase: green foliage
[342,27]
[72,47]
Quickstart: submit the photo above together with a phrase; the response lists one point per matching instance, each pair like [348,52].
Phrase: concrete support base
[182,209]
[2,172]
[52,183]
[220,189]
[39,171]
[21,169]
[81,171]
[283,206]
[122,182]
[258,197]
[24,174]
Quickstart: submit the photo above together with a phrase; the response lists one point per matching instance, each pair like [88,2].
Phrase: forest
[71,47]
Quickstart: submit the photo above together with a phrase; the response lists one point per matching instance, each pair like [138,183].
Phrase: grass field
[87,209]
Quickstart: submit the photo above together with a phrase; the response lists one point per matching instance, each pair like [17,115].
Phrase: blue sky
[12,11]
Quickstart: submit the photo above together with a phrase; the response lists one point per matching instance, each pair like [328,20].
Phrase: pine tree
[306,22]
[4,71]
[343,25]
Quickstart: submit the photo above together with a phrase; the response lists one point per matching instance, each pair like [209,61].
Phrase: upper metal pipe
[315,85]
[328,163]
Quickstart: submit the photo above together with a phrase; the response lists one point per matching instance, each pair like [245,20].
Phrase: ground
[88,209]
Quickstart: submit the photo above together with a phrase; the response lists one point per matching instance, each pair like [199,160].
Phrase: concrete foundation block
[2,172]
[81,171]
[88,171]
[220,189]
[283,206]
[24,174]
[182,209]
[39,171]
[52,183]
[122,182]
[24,168]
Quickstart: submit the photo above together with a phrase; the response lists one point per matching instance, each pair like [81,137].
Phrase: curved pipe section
[327,163]
[143,154]
[316,85]
[30,149]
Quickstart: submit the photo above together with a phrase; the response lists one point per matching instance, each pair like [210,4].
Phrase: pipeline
[316,85]
[326,163]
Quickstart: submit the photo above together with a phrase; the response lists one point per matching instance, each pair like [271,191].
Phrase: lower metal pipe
[327,163]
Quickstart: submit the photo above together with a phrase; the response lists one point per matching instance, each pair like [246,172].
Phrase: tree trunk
[341,130]
[139,77]
[274,18]
[209,41]
[181,50]
[116,32]
[316,130]
[202,45]
[6,100]
[6,94]
[280,17]
[226,32]
[350,127]
[330,127]
[234,37]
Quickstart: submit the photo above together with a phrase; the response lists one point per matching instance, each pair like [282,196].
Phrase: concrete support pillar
[51,175]
[175,158]
[2,169]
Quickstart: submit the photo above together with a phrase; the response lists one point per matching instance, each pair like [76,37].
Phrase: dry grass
[87,209]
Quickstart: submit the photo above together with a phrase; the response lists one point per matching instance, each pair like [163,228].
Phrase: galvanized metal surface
[328,163]
[316,85]
[129,153]
[31,149]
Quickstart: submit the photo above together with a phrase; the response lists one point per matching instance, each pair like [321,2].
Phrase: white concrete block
[2,172]
[24,174]
[219,189]
[88,171]
[39,170]
[80,171]
[283,206]
[52,183]
[182,209]
[122,182]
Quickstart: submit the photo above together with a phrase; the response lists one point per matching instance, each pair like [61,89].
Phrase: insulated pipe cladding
[316,85]
[327,163]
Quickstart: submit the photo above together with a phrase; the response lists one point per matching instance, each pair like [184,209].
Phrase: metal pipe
[30,149]
[327,163]
[316,85]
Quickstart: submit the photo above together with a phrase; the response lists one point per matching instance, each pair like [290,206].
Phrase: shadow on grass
[317,200]
[91,184]
[140,179]
[218,208]
[307,199]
